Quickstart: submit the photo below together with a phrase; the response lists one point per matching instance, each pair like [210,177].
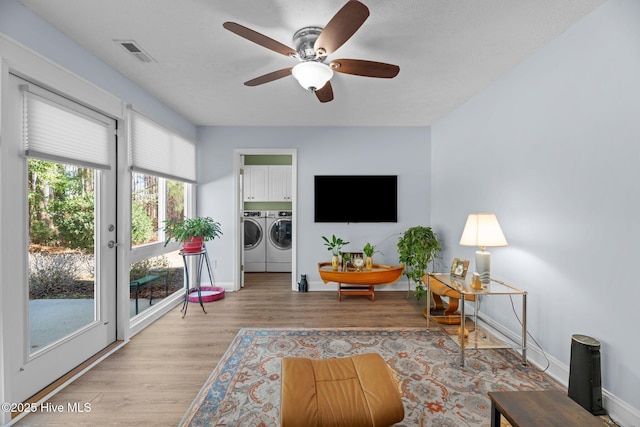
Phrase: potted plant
[369,250]
[417,247]
[191,232]
[335,246]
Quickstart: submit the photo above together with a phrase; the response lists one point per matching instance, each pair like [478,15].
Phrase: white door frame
[238,212]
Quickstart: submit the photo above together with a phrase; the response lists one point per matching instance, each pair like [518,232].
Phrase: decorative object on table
[484,231]
[369,250]
[191,232]
[245,385]
[335,246]
[459,268]
[417,247]
[303,286]
[352,261]
[346,260]
[476,284]
[357,261]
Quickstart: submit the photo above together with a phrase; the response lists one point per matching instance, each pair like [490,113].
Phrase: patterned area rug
[244,388]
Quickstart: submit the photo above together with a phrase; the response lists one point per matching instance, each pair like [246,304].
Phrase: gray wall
[553,148]
[324,150]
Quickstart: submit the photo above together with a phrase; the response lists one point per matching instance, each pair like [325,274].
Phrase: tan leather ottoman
[351,392]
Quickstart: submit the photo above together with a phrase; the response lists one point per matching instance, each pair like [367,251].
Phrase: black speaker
[585,384]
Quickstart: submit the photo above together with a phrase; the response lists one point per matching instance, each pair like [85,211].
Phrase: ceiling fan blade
[341,27]
[269,77]
[364,68]
[326,93]
[260,39]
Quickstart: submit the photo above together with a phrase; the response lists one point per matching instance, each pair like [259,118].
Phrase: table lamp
[484,231]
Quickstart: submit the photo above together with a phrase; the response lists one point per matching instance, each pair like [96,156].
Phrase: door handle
[111,244]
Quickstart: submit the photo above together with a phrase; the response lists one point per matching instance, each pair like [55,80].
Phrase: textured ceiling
[447,51]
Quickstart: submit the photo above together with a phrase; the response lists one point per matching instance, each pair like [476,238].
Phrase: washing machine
[279,240]
[255,241]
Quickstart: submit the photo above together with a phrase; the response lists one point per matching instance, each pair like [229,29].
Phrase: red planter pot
[193,245]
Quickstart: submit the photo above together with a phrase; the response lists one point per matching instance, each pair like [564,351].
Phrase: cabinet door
[280,183]
[256,181]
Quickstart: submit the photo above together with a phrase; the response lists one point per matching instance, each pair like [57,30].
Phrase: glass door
[66,181]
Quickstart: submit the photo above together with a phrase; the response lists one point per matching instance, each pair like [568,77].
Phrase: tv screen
[356,198]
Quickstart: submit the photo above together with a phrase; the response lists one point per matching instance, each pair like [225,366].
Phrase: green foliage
[61,205]
[175,200]
[369,250]
[141,268]
[74,219]
[182,230]
[141,225]
[42,233]
[334,245]
[417,247]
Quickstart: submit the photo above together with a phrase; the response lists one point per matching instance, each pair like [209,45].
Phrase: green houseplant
[192,232]
[335,246]
[417,247]
[369,250]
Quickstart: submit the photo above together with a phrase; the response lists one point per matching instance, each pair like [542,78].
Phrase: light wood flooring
[153,379]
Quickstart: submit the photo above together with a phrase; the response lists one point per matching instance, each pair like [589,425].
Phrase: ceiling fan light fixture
[312,75]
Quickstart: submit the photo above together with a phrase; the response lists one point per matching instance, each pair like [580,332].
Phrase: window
[162,172]
[153,200]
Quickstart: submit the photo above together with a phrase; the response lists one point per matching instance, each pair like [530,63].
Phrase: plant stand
[201,258]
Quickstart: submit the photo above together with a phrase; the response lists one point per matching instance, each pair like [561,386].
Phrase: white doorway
[241,184]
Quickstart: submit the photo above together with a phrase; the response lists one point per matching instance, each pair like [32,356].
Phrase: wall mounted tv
[356,198]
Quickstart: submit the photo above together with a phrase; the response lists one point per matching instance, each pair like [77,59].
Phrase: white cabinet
[256,180]
[280,183]
[267,183]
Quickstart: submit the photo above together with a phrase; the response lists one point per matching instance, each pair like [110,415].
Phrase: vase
[192,245]
[335,262]
[368,263]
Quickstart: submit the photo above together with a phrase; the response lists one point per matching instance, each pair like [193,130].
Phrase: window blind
[61,130]
[156,150]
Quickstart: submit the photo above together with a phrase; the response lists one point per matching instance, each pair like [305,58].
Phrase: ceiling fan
[312,46]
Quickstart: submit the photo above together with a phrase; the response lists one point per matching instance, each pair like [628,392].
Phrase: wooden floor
[153,379]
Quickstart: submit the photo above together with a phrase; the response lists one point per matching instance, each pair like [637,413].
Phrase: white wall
[553,148]
[402,151]
[22,25]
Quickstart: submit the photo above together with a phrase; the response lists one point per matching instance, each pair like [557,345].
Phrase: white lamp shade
[482,230]
[312,75]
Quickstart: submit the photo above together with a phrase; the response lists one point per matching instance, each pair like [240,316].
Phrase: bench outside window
[153,278]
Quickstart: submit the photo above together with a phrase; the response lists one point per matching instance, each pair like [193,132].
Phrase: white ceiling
[447,51]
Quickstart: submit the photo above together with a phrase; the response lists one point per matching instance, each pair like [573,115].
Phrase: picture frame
[459,268]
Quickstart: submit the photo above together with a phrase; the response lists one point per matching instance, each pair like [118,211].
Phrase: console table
[353,282]
[495,287]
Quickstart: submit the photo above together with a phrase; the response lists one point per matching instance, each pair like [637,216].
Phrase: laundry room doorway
[265,234]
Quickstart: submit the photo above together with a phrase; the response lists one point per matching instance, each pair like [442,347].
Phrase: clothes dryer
[279,241]
[255,241]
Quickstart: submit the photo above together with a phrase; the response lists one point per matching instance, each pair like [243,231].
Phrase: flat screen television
[356,198]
